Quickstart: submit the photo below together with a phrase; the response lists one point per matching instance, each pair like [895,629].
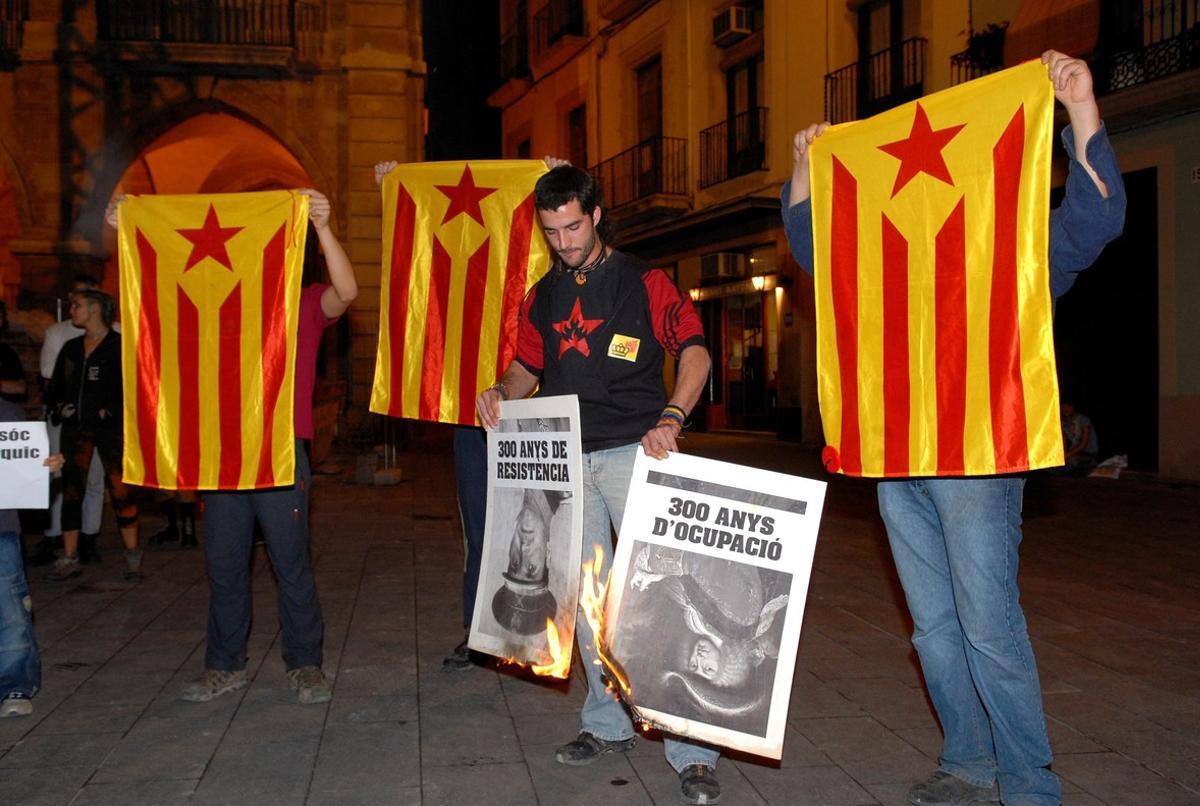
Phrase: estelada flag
[210,295]
[935,352]
[460,249]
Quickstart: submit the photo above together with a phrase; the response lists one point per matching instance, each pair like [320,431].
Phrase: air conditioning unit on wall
[720,267]
[732,25]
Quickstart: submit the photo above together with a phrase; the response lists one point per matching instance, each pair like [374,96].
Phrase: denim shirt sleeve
[797,225]
[1085,221]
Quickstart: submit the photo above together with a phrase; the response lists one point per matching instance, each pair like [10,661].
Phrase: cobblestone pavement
[1111,582]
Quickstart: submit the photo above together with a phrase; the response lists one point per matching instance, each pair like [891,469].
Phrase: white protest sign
[529,574]
[706,597]
[23,478]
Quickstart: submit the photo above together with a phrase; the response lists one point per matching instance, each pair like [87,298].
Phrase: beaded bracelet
[501,388]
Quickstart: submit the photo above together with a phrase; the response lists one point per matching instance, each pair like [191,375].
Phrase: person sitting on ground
[1081,446]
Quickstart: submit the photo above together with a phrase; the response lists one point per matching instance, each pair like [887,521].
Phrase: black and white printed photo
[529,574]
[706,597]
[701,635]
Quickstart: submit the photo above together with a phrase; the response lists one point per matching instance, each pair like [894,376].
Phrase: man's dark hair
[565,184]
[108,308]
[85,279]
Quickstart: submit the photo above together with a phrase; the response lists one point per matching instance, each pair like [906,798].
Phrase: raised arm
[343,287]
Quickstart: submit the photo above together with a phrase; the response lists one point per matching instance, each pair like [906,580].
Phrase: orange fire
[560,660]
[591,600]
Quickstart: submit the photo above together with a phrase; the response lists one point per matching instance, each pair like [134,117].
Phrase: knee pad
[124,520]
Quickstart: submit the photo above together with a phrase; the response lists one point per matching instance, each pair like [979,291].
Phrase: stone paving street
[1111,584]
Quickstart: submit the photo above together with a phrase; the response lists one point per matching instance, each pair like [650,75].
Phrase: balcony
[734,147]
[514,66]
[237,34]
[618,10]
[984,54]
[647,181]
[13,14]
[1144,41]
[558,31]
[891,77]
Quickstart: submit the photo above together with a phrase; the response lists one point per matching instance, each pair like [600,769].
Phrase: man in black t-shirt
[599,325]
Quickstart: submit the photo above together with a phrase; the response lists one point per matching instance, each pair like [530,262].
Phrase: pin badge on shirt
[624,347]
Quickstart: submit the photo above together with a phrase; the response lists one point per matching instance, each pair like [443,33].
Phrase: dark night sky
[462,55]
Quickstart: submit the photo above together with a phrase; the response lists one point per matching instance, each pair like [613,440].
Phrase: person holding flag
[955,539]
[281,511]
[594,298]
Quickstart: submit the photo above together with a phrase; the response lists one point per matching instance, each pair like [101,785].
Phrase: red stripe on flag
[1009,437]
[516,273]
[434,362]
[274,351]
[149,360]
[401,276]
[896,400]
[950,306]
[472,318]
[843,281]
[229,393]
[187,473]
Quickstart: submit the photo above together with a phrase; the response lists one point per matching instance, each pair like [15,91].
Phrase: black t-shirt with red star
[605,341]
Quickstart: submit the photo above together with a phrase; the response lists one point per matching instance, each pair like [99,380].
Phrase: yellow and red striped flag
[461,246]
[210,294]
[935,349]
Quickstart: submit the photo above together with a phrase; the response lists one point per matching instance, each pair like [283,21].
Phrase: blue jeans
[470,471]
[228,540]
[955,544]
[20,666]
[606,477]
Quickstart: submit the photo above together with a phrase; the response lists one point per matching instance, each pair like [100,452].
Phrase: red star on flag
[465,197]
[209,241]
[574,330]
[921,152]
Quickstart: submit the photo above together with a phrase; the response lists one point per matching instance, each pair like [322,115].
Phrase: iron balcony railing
[880,81]
[559,18]
[734,147]
[514,52]
[965,66]
[657,165]
[208,22]
[13,15]
[1144,40]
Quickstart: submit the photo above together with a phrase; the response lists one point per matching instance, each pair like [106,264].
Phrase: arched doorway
[210,152]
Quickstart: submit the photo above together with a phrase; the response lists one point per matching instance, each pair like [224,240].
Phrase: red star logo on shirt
[921,152]
[574,330]
[209,241]
[465,197]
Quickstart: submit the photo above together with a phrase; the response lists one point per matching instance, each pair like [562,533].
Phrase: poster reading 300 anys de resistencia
[707,595]
[529,574]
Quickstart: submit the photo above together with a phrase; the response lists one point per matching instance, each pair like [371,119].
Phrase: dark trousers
[78,447]
[228,541]
[470,468]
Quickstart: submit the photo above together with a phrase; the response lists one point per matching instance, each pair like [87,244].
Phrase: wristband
[501,388]
[665,421]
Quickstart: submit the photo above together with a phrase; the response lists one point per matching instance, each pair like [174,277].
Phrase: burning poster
[529,575]
[706,597]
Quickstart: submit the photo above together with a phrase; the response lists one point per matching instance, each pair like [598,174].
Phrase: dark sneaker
[15,705]
[944,789]
[698,785]
[214,683]
[461,659]
[310,684]
[64,570]
[587,748]
[133,565]
[88,553]
[45,551]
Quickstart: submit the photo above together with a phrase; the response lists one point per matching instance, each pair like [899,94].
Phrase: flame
[591,600]
[560,661]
